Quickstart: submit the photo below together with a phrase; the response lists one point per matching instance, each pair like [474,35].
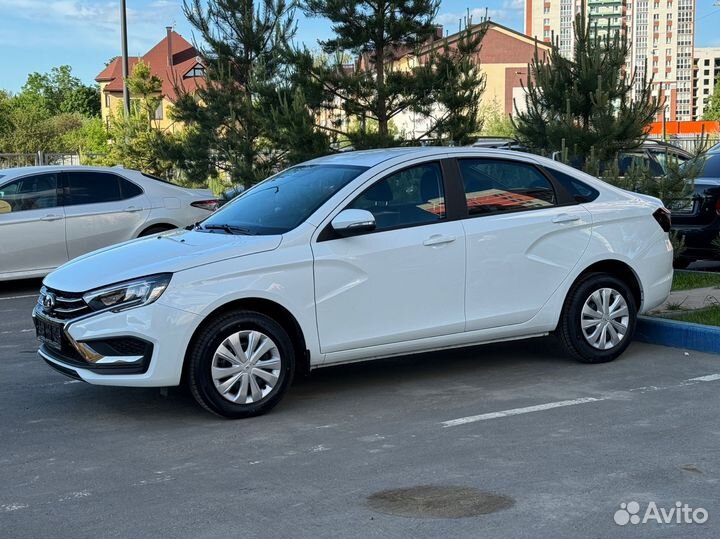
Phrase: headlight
[128,294]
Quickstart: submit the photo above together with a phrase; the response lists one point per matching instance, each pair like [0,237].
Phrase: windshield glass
[707,166]
[283,201]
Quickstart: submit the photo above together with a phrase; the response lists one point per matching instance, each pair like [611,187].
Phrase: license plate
[48,332]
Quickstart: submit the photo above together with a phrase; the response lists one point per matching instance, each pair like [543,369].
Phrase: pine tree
[451,73]
[228,118]
[585,104]
[377,32]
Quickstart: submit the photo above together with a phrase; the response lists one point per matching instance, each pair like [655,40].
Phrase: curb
[678,334]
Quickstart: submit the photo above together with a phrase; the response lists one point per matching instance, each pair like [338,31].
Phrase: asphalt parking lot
[561,444]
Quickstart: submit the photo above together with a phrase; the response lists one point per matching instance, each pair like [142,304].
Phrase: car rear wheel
[598,318]
[241,364]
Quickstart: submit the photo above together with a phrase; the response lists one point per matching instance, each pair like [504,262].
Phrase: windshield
[707,166]
[282,202]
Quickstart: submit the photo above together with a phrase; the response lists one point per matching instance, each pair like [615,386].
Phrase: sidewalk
[688,300]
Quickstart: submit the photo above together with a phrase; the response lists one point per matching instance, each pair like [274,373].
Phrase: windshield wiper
[229,229]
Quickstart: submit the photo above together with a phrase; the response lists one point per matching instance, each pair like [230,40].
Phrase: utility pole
[125,67]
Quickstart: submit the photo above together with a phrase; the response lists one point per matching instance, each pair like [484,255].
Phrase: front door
[32,225]
[403,281]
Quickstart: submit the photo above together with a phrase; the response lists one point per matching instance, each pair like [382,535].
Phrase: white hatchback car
[358,256]
[49,215]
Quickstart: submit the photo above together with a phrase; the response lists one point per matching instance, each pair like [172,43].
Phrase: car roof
[371,158]
[21,171]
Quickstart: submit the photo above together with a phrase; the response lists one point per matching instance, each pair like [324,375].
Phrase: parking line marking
[19,297]
[518,411]
[572,402]
[708,378]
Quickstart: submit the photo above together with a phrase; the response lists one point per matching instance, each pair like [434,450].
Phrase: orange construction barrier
[684,128]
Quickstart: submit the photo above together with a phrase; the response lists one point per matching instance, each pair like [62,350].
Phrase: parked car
[714,148]
[500,143]
[49,215]
[358,256]
[228,194]
[697,219]
[652,155]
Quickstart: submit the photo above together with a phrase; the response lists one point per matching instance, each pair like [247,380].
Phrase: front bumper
[141,347]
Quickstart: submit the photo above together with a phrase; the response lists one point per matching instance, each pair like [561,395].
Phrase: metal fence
[691,143]
[12,160]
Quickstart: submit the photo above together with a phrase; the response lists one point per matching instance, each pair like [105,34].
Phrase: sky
[36,35]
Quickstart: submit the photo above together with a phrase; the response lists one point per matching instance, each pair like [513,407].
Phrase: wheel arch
[618,269]
[163,224]
[267,307]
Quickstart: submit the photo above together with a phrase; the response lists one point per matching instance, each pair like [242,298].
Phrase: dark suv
[697,219]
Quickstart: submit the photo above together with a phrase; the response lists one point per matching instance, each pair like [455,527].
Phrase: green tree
[59,91]
[135,141]
[451,73]
[146,91]
[712,104]
[585,103]
[495,122]
[229,117]
[135,144]
[376,31]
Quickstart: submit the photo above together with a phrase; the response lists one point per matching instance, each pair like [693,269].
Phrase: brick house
[173,60]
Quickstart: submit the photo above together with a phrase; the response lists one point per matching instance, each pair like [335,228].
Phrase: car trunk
[699,208]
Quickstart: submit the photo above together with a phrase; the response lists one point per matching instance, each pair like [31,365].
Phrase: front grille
[67,304]
[121,346]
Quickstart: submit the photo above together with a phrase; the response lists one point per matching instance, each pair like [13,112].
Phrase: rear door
[524,234]
[101,209]
[32,225]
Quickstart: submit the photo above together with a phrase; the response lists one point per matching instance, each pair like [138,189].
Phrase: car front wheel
[598,319]
[241,364]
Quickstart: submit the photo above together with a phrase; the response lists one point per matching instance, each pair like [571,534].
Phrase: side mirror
[351,222]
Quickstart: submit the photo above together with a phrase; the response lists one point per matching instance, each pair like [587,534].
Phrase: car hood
[166,253]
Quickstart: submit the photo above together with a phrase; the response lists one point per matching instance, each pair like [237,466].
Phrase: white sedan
[359,256]
[49,215]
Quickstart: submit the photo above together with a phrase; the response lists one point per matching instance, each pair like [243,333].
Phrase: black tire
[570,330]
[155,229]
[202,351]
[681,262]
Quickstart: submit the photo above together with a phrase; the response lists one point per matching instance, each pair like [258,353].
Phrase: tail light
[717,205]
[662,216]
[209,205]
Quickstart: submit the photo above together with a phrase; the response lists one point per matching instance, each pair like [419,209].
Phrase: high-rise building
[661,35]
[706,71]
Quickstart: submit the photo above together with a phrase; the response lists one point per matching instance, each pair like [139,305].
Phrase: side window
[129,189]
[92,188]
[412,196]
[664,157]
[29,193]
[497,186]
[580,191]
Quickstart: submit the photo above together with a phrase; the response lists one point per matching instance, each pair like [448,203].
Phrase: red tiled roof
[184,58]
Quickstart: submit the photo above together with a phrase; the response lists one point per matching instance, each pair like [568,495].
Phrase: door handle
[51,217]
[131,209]
[438,239]
[565,218]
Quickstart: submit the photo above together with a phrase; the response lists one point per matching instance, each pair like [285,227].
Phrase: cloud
[94,23]
[510,11]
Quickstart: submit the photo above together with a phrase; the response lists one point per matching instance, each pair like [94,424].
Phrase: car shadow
[485,365]
[20,287]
